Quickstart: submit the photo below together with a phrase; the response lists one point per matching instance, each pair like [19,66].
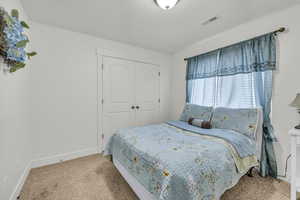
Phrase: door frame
[117,54]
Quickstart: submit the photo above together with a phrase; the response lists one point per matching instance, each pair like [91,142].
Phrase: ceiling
[142,23]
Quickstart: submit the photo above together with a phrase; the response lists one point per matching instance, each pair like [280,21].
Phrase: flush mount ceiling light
[166,4]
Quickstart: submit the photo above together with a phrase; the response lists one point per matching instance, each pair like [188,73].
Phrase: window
[238,76]
[236,91]
[203,91]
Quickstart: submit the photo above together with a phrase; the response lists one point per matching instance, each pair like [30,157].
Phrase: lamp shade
[296,102]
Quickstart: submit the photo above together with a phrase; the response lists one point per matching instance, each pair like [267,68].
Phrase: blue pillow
[196,111]
[242,120]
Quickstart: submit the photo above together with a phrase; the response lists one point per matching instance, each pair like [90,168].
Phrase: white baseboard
[48,161]
[63,157]
[20,183]
[285,179]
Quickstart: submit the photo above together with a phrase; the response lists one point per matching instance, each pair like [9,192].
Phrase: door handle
[137,107]
[132,107]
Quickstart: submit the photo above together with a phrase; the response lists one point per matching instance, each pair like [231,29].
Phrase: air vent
[210,20]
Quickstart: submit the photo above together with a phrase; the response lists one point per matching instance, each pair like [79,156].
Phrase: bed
[178,161]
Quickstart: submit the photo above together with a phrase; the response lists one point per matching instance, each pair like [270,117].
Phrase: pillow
[196,111]
[242,120]
[200,123]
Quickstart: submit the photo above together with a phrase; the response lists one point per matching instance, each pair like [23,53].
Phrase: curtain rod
[280,30]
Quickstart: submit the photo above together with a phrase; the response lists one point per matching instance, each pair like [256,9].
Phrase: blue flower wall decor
[13,40]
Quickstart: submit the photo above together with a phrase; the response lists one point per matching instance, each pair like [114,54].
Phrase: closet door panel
[147,94]
[118,96]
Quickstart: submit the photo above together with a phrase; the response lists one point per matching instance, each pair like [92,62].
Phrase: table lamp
[296,104]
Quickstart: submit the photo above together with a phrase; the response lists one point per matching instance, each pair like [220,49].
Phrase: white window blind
[236,91]
[203,91]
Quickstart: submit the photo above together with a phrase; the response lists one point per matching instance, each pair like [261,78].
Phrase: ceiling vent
[210,20]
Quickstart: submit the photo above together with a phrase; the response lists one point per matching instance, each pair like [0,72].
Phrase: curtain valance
[254,55]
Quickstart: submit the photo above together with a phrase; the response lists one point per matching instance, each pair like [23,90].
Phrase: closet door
[146,94]
[118,96]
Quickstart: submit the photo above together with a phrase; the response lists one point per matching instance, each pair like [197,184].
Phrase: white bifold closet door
[130,95]
[146,94]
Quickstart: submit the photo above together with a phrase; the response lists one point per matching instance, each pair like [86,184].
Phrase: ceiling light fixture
[166,4]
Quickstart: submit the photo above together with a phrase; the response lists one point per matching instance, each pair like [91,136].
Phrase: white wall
[15,139]
[64,88]
[286,78]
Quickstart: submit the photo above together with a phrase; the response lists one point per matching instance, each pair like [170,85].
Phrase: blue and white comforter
[173,163]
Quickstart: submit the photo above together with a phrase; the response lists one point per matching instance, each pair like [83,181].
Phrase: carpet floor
[95,178]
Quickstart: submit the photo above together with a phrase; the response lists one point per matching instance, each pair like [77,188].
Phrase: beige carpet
[95,178]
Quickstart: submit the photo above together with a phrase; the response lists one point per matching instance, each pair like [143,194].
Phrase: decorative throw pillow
[200,123]
[242,120]
[197,112]
[206,125]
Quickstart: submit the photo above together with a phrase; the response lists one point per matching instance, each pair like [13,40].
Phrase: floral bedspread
[174,164]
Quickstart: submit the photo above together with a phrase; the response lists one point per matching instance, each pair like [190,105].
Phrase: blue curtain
[255,55]
[239,75]
[263,88]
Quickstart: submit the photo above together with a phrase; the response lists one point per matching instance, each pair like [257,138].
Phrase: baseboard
[20,183]
[285,179]
[63,157]
[48,161]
